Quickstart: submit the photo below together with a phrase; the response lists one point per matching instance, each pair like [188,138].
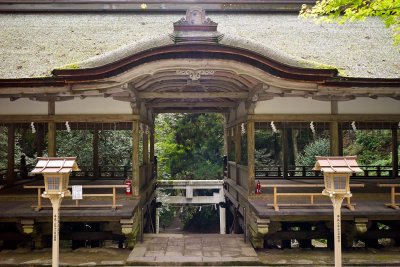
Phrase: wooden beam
[340,140]
[52,131]
[175,104]
[10,179]
[51,138]
[285,154]
[334,138]
[51,104]
[175,110]
[152,142]
[135,158]
[325,117]
[251,158]
[238,144]
[71,118]
[192,95]
[226,136]
[395,151]
[145,147]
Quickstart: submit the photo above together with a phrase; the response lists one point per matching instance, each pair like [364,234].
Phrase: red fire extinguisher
[258,188]
[128,188]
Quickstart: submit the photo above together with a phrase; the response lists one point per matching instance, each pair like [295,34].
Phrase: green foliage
[3,148]
[189,146]
[372,147]
[350,10]
[77,143]
[114,147]
[267,147]
[319,147]
[206,220]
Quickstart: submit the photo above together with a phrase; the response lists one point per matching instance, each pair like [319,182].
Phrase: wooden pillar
[285,154]
[145,146]
[51,138]
[251,157]
[152,153]
[226,137]
[340,140]
[135,158]
[238,144]
[152,143]
[334,138]
[96,172]
[395,148]
[51,131]
[10,179]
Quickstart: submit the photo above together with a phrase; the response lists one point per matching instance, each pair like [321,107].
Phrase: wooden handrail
[393,195]
[306,171]
[114,205]
[312,196]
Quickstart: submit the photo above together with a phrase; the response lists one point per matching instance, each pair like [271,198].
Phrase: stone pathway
[194,249]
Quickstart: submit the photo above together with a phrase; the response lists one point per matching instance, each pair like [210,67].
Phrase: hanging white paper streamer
[243,129]
[33,127]
[312,127]
[353,125]
[273,127]
[67,126]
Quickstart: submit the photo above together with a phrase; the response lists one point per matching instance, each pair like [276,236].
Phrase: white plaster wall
[93,105]
[366,105]
[293,105]
[22,106]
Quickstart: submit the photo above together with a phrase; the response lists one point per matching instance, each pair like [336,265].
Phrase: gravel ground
[31,45]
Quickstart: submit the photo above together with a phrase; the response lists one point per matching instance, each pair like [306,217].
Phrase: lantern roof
[55,165]
[337,164]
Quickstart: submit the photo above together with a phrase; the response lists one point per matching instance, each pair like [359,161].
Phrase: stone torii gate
[191,199]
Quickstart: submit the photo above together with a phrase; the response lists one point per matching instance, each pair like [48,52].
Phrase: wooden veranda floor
[16,204]
[369,201]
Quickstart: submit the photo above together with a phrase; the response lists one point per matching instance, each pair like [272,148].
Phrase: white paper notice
[76,192]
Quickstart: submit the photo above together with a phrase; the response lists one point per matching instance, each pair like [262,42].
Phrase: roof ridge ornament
[196,27]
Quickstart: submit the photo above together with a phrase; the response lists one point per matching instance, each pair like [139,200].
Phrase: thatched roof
[32,45]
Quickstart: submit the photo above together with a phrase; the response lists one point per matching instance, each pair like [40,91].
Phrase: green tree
[319,147]
[351,10]
[3,148]
[372,147]
[189,146]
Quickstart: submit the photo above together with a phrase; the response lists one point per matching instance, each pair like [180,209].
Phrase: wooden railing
[312,195]
[112,195]
[103,172]
[307,171]
[393,195]
[238,173]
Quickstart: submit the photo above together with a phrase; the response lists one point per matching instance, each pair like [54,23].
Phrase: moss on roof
[32,45]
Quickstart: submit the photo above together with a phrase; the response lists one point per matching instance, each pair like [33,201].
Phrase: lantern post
[337,172]
[56,179]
